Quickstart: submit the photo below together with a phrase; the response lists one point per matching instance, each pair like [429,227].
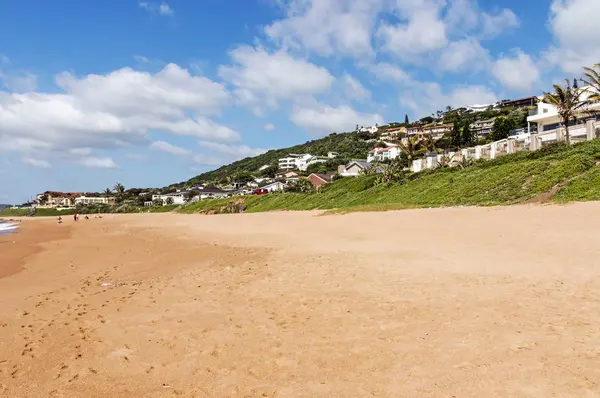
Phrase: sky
[150,93]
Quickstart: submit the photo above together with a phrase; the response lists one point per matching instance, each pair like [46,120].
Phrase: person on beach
[75,216]
[59,219]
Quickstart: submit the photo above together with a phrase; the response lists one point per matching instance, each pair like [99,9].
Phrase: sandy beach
[464,302]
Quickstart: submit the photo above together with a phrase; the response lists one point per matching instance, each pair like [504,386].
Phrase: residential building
[482,128]
[301,161]
[414,130]
[479,107]
[52,199]
[318,179]
[287,174]
[393,133]
[547,121]
[372,129]
[274,186]
[332,155]
[437,131]
[520,102]
[178,198]
[353,168]
[212,193]
[383,154]
[88,200]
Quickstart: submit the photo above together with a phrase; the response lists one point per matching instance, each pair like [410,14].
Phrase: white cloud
[154,8]
[164,9]
[326,27]
[354,89]
[269,127]
[423,98]
[107,111]
[232,152]
[321,119]
[19,83]
[261,78]
[208,160]
[39,163]
[389,72]
[164,146]
[518,73]
[494,24]
[98,162]
[464,55]
[81,151]
[574,24]
[424,32]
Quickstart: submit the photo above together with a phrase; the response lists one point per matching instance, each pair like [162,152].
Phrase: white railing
[513,144]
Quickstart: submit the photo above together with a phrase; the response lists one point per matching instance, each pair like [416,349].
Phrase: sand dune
[439,303]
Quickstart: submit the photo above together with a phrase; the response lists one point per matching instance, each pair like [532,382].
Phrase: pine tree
[456,139]
[406,119]
[467,135]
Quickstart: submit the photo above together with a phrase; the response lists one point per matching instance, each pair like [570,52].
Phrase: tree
[408,146]
[302,185]
[169,201]
[119,188]
[575,85]
[392,172]
[592,79]
[107,192]
[448,108]
[43,199]
[429,143]
[456,137]
[406,119]
[501,128]
[567,101]
[467,134]
[188,196]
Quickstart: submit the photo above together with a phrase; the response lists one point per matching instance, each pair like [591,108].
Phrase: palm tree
[408,146]
[429,143]
[107,192]
[567,101]
[592,79]
[119,188]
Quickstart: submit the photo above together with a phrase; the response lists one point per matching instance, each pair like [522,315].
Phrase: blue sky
[150,93]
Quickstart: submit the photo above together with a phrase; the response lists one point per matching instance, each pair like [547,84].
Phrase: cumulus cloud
[232,152]
[321,119]
[518,72]
[423,98]
[262,78]
[495,24]
[326,27]
[19,83]
[466,54]
[155,8]
[574,25]
[354,89]
[39,163]
[112,110]
[389,72]
[269,127]
[98,162]
[166,147]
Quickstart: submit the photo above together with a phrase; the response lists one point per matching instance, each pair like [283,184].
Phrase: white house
[372,129]
[177,197]
[482,128]
[88,200]
[383,154]
[301,161]
[274,186]
[479,107]
[548,121]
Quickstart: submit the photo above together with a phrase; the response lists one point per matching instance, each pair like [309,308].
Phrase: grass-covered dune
[556,172]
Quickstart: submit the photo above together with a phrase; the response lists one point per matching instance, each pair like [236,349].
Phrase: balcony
[533,112]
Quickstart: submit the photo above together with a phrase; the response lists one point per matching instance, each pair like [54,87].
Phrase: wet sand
[439,302]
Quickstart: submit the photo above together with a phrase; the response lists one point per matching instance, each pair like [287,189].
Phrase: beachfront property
[54,199]
[371,129]
[437,131]
[482,128]
[393,133]
[383,154]
[287,175]
[178,198]
[318,179]
[212,193]
[274,186]
[353,168]
[414,131]
[547,123]
[525,102]
[302,161]
[88,200]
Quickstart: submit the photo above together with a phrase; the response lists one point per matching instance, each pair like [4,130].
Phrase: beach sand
[464,302]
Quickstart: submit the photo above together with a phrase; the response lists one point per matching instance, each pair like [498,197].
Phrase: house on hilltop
[383,154]
[318,179]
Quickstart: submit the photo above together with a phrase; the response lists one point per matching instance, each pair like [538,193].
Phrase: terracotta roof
[324,177]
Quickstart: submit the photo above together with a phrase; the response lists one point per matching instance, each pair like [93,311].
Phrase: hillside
[556,173]
[348,145]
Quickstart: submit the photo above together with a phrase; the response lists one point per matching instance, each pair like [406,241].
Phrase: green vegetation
[506,180]
[348,145]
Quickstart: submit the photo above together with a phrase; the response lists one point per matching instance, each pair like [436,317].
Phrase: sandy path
[441,302]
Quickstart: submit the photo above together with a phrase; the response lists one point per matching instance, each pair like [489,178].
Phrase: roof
[324,177]
[361,163]
[379,150]
[271,184]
